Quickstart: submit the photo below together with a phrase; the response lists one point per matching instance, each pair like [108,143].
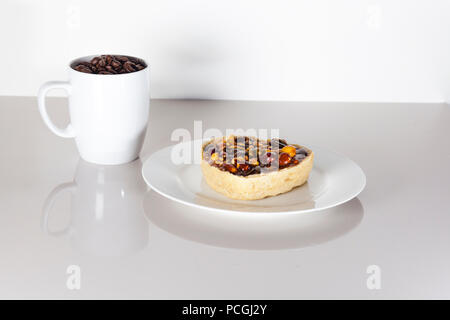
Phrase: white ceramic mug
[108,113]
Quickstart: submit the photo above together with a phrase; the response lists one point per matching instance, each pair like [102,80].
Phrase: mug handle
[68,132]
[48,204]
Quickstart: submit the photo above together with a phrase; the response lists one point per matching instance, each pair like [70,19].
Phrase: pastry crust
[258,186]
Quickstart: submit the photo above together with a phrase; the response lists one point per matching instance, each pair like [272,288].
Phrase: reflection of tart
[248,168]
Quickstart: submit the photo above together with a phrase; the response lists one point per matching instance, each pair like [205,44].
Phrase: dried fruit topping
[290,150]
[284,159]
[243,156]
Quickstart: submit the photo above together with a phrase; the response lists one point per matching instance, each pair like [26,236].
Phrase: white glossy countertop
[132,243]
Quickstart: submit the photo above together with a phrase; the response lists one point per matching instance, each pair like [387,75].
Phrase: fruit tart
[248,168]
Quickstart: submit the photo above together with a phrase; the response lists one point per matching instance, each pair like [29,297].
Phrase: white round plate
[334,179]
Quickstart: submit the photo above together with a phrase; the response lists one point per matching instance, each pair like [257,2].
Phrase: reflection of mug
[107,217]
[108,113]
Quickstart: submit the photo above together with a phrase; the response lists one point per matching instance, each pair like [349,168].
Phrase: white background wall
[348,50]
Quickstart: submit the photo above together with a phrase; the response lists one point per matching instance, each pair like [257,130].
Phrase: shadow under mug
[108,113]
[106,213]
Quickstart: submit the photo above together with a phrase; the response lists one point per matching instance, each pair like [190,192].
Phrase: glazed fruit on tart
[248,168]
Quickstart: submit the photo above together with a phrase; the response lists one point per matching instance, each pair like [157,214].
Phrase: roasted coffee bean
[95,60]
[110,69]
[83,68]
[302,151]
[121,58]
[116,64]
[111,64]
[129,66]
[282,142]
[135,60]
[102,62]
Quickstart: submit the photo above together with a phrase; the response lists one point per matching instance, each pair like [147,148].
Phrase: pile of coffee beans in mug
[110,64]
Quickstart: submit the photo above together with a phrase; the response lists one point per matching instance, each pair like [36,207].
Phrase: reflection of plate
[334,180]
[228,231]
